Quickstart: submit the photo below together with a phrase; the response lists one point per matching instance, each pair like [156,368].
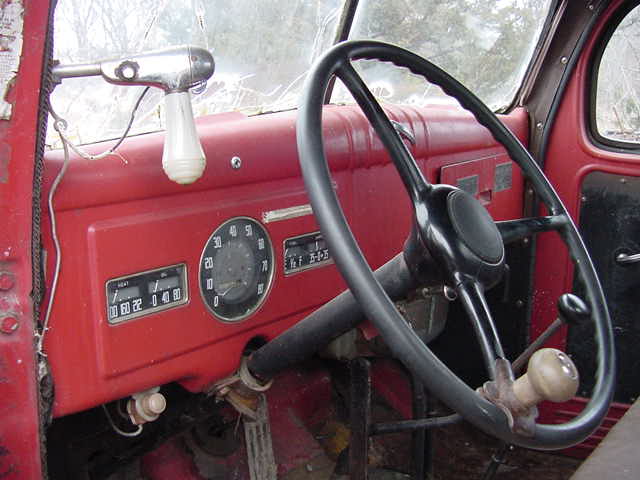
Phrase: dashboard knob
[146,406]
[551,375]
[153,404]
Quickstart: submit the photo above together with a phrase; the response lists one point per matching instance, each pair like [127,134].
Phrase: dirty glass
[618,86]
[485,45]
[262,50]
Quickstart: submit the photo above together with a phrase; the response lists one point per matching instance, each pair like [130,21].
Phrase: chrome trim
[173,69]
[286,213]
[626,259]
[404,131]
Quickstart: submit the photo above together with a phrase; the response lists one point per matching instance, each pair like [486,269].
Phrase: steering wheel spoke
[412,177]
[513,230]
[471,295]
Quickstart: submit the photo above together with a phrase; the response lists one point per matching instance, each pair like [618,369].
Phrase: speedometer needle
[233,285]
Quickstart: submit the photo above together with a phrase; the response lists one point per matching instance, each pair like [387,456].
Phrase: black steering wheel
[453,235]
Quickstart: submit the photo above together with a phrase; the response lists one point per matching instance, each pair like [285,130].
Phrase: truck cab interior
[321,240]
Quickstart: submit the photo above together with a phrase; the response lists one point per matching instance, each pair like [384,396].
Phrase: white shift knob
[183,159]
[551,375]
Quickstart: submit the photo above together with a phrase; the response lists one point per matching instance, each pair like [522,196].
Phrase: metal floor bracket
[257,434]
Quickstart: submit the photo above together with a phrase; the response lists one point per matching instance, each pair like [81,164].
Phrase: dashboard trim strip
[286,213]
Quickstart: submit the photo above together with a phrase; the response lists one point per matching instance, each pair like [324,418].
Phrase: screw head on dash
[6,281]
[8,324]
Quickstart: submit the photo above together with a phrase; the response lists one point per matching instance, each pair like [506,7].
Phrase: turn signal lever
[174,70]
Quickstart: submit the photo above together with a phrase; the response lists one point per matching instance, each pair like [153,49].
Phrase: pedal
[257,434]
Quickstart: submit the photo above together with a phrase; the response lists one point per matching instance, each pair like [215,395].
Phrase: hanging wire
[60,126]
[200,11]
[106,153]
[116,429]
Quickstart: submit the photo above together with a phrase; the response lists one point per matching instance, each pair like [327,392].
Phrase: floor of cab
[309,430]
[461,453]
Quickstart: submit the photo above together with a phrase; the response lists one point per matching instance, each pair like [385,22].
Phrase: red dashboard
[121,216]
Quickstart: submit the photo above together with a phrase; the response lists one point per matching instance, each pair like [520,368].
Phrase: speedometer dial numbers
[236,269]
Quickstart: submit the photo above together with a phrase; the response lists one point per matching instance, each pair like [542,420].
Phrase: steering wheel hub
[475,227]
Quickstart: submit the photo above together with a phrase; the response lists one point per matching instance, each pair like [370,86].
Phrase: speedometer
[236,269]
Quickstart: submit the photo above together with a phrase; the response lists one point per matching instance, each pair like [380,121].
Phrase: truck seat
[618,455]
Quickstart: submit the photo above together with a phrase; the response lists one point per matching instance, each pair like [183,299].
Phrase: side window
[616,118]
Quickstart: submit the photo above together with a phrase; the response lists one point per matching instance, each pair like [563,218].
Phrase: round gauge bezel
[270,276]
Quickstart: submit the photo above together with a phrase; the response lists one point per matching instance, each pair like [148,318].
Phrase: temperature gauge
[146,292]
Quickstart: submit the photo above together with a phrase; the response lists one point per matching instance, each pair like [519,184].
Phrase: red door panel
[572,158]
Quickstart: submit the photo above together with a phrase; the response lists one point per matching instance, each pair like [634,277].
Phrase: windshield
[487,46]
[263,50]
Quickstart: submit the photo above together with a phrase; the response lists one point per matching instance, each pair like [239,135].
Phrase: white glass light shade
[183,159]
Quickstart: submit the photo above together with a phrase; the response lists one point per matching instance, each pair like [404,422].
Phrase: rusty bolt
[8,324]
[6,281]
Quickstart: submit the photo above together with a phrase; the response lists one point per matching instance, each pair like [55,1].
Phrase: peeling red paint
[4,169]
[20,435]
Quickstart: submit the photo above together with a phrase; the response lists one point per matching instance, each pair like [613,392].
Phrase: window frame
[596,137]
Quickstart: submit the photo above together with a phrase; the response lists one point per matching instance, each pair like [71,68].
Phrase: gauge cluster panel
[236,269]
[147,292]
[304,252]
[235,274]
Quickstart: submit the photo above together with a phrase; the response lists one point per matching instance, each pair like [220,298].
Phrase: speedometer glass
[236,269]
